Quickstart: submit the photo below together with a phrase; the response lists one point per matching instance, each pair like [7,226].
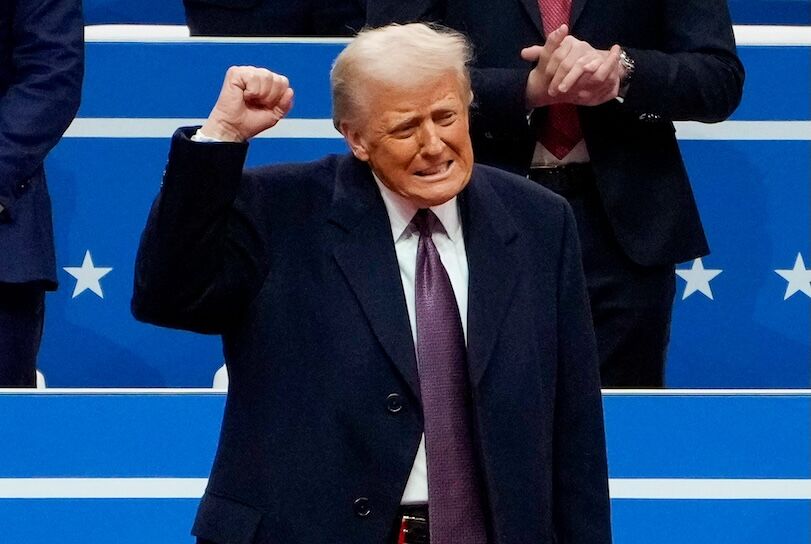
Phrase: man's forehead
[406,99]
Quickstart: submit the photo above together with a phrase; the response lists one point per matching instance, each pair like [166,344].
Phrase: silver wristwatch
[627,65]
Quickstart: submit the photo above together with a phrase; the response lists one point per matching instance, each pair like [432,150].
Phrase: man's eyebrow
[402,123]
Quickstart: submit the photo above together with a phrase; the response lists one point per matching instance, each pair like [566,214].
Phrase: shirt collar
[401,211]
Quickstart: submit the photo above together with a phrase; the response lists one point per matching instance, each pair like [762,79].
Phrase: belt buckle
[413,530]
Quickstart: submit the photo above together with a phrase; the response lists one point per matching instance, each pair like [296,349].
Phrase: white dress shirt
[450,244]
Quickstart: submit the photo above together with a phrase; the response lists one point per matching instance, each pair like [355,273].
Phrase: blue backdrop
[752,185]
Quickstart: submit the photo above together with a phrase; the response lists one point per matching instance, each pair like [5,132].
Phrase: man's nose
[431,143]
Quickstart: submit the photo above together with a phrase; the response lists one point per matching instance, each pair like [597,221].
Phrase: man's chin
[429,199]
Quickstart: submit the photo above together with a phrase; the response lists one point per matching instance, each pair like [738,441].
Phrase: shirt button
[394,403]
[362,508]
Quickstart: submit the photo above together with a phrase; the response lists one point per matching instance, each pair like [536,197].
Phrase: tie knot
[424,221]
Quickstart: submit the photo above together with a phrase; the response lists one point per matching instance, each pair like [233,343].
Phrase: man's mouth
[436,171]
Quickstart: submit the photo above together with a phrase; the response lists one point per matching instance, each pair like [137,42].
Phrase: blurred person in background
[274,18]
[41,70]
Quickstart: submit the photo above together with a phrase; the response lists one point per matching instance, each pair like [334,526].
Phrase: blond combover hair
[407,56]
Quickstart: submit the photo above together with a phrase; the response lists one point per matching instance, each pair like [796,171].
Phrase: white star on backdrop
[799,278]
[87,276]
[698,279]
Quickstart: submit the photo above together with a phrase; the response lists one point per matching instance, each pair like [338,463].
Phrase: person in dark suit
[274,18]
[401,327]
[41,69]
[605,139]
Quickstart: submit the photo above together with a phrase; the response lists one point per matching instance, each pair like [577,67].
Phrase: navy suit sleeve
[695,74]
[581,506]
[46,70]
[202,254]
[383,12]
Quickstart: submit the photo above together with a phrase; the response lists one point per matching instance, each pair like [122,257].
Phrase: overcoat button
[362,508]
[394,403]
[22,187]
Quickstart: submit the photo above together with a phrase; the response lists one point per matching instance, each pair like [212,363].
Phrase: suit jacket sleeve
[695,73]
[202,255]
[46,70]
[581,506]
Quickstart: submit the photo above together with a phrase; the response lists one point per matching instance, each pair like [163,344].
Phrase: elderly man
[407,333]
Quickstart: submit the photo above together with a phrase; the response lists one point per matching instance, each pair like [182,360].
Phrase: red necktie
[561,129]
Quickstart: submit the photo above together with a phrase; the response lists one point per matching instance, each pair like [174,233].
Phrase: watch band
[627,64]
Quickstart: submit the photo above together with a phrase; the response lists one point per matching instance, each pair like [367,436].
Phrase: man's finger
[583,70]
[532,54]
[286,102]
[277,86]
[558,57]
[554,39]
[609,65]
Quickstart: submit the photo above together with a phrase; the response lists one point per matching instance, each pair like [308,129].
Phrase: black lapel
[534,13]
[577,9]
[489,233]
[367,258]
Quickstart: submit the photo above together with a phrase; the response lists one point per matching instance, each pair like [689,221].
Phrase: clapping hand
[568,70]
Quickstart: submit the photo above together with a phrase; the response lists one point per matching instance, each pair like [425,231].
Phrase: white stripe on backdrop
[192,488]
[322,128]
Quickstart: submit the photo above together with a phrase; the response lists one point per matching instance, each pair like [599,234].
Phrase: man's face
[415,139]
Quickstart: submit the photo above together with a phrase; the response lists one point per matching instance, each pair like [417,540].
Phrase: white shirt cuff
[203,139]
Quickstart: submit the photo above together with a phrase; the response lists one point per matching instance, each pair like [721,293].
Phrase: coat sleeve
[46,71]
[695,74]
[383,12]
[581,504]
[202,255]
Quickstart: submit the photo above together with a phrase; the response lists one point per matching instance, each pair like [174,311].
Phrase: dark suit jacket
[295,267]
[686,69]
[274,17]
[41,69]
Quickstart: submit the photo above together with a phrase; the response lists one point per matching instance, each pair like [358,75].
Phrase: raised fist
[251,100]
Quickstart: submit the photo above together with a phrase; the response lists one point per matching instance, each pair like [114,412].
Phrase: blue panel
[97,521]
[183,80]
[777,84]
[754,197]
[755,201]
[680,436]
[122,436]
[708,437]
[770,12]
[101,206]
[694,522]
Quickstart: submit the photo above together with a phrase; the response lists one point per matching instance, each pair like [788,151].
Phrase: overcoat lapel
[531,7]
[577,9]
[365,253]
[489,236]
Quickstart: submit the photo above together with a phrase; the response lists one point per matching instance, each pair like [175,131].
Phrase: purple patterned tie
[455,501]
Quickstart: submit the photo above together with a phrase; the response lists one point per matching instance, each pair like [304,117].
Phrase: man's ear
[355,141]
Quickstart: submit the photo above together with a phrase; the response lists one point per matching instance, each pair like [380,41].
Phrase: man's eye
[447,119]
[402,133]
